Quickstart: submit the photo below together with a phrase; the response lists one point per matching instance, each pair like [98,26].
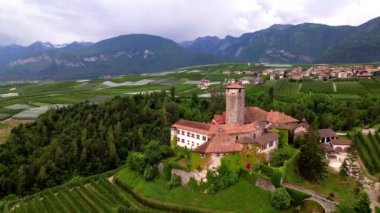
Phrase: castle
[237,128]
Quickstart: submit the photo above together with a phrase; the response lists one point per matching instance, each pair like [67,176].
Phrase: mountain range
[141,53]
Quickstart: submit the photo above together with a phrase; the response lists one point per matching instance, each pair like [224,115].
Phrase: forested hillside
[87,139]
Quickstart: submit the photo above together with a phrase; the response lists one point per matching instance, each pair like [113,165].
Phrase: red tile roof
[279,117]
[257,114]
[220,119]
[240,128]
[193,126]
[220,143]
[234,86]
[245,140]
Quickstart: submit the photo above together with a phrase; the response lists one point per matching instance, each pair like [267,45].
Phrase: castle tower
[235,104]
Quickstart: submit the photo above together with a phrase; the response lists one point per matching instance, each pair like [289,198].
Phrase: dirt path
[370,185]
[334,86]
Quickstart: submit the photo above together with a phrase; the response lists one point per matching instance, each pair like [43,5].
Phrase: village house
[204,84]
[327,135]
[244,81]
[335,148]
[237,128]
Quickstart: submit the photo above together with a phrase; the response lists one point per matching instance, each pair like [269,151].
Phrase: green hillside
[363,45]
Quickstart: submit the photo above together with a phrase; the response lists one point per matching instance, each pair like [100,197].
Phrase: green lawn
[241,197]
[343,189]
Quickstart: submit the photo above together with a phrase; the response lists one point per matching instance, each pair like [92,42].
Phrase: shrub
[363,204]
[192,184]
[274,174]
[281,199]
[175,181]
[149,173]
[279,156]
[136,161]
[168,171]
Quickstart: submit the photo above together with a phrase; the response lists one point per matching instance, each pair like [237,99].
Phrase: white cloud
[25,21]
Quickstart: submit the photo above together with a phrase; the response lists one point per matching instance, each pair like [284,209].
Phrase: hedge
[273,173]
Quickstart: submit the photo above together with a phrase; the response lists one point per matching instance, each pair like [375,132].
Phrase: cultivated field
[96,196]
[184,80]
[369,150]
[317,87]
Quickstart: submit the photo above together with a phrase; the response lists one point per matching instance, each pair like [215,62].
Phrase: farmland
[284,88]
[95,196]
[349,87]
[317,87]
[372,86]
[369,150]
[183,80]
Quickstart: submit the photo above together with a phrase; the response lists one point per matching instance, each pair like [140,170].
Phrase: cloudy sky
[62,21]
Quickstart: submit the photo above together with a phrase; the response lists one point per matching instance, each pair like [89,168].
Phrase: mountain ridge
[142,53]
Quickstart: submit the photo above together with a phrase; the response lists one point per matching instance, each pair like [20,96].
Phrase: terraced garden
[369,150]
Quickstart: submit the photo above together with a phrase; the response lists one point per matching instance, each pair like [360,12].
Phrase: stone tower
[235,104]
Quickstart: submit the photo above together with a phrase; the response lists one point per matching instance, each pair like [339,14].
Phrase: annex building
[238,128]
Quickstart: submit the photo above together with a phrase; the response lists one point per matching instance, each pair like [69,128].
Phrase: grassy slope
[343,188]
[241,197]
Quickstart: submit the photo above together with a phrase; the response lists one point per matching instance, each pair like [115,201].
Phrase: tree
[154,152]
[364,204]
[172,93]
[194,99]
[271,93]
[311,161]
[281,198]
[136,161]
[279,156]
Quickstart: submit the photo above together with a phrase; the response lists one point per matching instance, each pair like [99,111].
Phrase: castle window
[192,135]
[178,132]
[198,136]
[178,139]
[183,140]
[183,133]
[204,138]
